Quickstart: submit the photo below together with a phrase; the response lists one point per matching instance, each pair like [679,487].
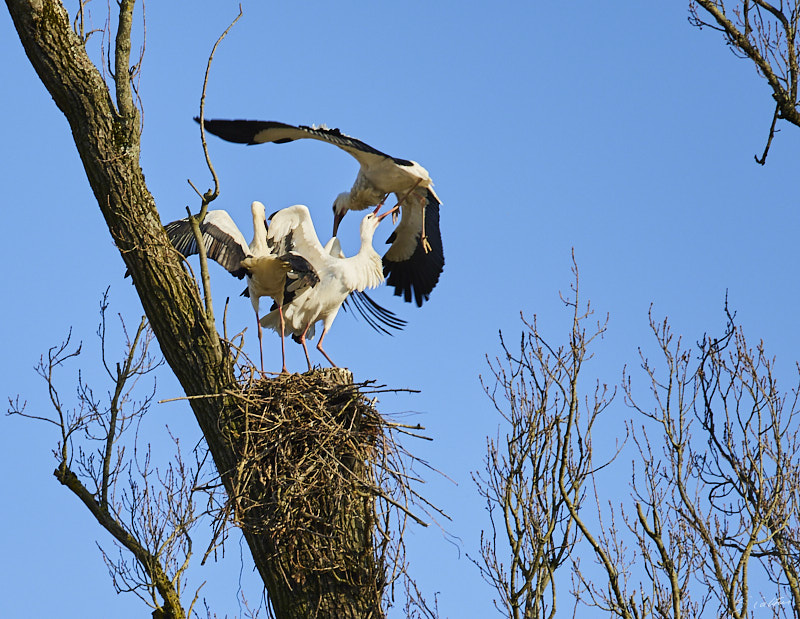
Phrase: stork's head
[370,222]
[340,207]
[259,210]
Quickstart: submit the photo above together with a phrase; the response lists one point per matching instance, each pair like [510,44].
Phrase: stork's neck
[259,244]
[366,264]
[366,242]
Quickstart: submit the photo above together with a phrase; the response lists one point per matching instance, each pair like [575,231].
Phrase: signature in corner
[774,602]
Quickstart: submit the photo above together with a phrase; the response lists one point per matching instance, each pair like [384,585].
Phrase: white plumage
[268,274]
[291,229]
[415,259]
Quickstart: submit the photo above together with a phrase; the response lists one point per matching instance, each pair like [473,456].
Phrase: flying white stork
[291,229]
[267,273]
[415,260]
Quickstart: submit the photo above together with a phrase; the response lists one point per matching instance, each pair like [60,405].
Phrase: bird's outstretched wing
[291,230]
[375,315]
[413,271]
[223,240]
[262,131]
[301,275]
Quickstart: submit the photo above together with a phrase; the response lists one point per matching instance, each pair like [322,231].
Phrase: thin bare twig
[211,194]
[771,135]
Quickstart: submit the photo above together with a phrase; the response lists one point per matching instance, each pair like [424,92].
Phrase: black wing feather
[262,131]
[219,245]
[376,316]
[418,276]
[300,276]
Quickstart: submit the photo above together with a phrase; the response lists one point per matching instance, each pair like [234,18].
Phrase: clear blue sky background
[622,132]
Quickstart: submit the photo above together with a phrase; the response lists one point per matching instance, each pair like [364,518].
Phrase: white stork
[267,273]
[291,229]
[415,259]
[379,318]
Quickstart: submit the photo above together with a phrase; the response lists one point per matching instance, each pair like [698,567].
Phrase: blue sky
[625,134]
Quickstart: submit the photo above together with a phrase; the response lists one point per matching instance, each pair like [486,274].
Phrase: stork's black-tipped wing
[376,316]
[411,269]
[281,244]
[300,276]
[223,241]
[417,275]
[263,131]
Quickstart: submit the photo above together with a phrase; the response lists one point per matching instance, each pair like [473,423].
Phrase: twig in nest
[320,476]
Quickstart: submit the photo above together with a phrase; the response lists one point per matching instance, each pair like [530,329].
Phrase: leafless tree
[750,470]
[716,486]
[713,502]
[150,511]
[535,475]
[765,33]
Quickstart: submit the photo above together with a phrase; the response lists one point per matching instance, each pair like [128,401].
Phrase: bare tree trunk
[106,130]
[305,492]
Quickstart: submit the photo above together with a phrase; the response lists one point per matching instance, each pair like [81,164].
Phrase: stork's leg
[260,342]
[424,238]
[319,347]
[402,200]
[283,343]
[426,246]
[305,348]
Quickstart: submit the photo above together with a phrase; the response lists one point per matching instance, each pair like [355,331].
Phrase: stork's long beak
[337,219]
[394,209]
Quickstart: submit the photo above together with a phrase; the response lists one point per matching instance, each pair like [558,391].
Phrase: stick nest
[310,448]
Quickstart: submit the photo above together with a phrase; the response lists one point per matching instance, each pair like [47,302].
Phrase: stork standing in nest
[415,259]
[291,229]
[267,273]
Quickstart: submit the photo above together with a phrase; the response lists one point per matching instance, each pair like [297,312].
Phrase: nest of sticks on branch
[320,475]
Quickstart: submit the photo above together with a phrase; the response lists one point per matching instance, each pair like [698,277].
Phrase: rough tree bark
[106,130]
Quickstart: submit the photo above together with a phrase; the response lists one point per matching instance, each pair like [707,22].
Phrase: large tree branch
[785,96]
[109,154]
[107,140]
[122,60]
[150,563]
